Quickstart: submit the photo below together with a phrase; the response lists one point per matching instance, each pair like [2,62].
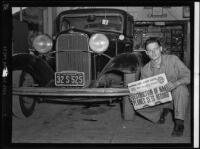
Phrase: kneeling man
[178,76]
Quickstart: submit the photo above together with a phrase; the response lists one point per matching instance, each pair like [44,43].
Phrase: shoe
[178,128]
[163,115]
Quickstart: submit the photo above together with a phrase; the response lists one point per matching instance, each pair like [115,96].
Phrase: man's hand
[170,86]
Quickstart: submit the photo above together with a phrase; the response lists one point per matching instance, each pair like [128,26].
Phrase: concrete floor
[65,123]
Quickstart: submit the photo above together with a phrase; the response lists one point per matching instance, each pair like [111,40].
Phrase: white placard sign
[149,92]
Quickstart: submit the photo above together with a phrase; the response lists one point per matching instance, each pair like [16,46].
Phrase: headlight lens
[99,43]
[42,43]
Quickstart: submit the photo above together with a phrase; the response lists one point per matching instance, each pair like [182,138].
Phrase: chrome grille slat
[76,56]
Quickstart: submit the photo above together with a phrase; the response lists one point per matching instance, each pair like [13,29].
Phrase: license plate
[69,78]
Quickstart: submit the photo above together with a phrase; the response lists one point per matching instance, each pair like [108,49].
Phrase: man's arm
[183,75]
[182,71]
[145,71]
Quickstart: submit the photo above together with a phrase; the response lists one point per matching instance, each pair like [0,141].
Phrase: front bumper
[66,92]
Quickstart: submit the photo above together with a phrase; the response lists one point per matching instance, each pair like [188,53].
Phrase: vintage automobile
[90,59]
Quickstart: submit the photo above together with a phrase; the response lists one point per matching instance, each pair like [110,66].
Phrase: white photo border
[196,76]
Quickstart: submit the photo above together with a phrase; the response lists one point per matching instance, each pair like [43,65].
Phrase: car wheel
[23,106]
[27,103]
[16,109]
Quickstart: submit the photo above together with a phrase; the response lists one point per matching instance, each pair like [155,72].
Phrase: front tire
[16,108]
[23,106]
[27,103]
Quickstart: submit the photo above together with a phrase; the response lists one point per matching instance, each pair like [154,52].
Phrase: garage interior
[62,122]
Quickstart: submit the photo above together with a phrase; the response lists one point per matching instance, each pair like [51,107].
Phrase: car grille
[73,55]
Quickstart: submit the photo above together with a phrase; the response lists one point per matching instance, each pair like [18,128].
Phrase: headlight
[99,43]
[42,43]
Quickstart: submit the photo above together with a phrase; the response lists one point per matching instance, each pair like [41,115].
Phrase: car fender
[116,67]
[35,65]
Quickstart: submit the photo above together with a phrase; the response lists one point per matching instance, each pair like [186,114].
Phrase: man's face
[153,50]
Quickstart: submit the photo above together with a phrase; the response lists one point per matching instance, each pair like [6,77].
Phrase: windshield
[93,22]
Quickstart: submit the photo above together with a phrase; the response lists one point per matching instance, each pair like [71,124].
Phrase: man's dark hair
[152,40]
